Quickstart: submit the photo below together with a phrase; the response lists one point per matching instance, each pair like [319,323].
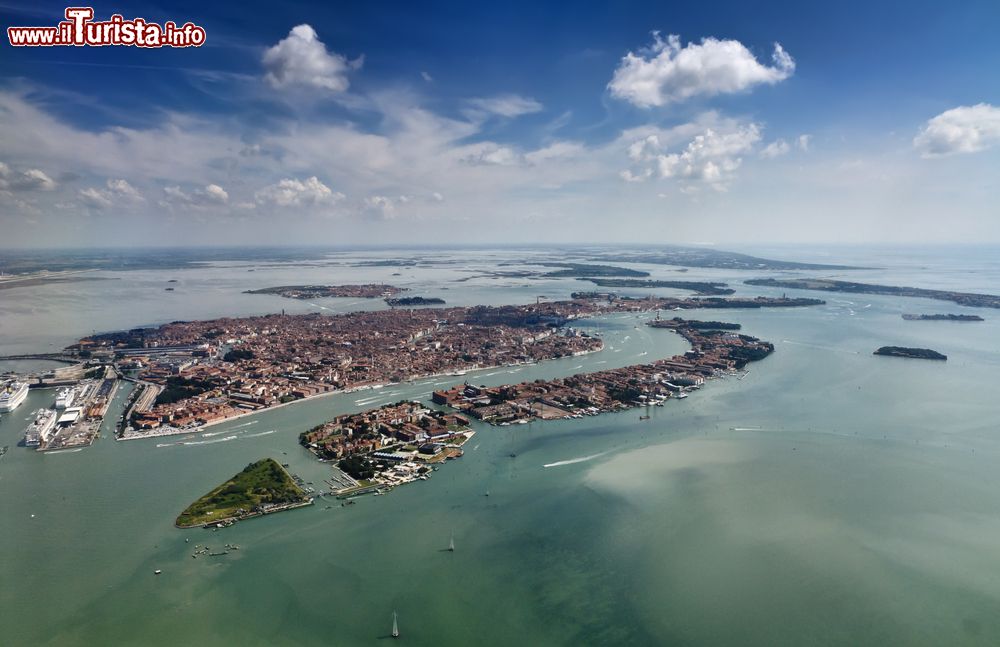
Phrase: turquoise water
[831,497]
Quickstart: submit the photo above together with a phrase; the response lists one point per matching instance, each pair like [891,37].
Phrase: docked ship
[12,394]
[64,398]
[45,421]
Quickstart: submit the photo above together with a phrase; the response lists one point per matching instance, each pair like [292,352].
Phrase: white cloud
[30,180]
[123,189]
[209,195]
[804,141]
[493,154]
[640,176]
[505,105]
[711,157]
[302,59]
[965,129]
[95,198]
[215,193]
[116,192]
[291,192]
[381,205]
[427,77]
[561,150]
[777,148]
[673,73]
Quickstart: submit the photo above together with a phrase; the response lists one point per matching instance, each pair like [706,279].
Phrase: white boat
[64,398]
[681,396]
[451,544]
[395,626]
[12,394]
[37,431]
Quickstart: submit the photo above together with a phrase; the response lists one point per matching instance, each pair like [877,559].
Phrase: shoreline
[373,387]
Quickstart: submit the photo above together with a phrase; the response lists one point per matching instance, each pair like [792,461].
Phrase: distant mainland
[830,285]
[948,317]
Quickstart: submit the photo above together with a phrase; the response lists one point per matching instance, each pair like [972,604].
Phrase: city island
[194,374]
[191,375]
[399,443]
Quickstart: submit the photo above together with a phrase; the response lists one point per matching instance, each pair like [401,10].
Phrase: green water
[830,497]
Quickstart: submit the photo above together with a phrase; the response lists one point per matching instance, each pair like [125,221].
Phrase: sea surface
[831,497]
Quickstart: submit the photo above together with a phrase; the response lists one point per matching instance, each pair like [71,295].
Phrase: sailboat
[451,544]
[395,626]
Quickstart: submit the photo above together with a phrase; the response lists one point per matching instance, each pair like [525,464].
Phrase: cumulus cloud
[32,179]
[95,198]
[383,206]
[302,59]
[777,148]
[121,188]
[209,195]
[505,105]
[965,129]
[804,141]
[669,73]
[291,192]
[115,192]
[711,157]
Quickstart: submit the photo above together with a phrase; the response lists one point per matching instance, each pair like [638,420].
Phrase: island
[830,285]
[714,353]
[694,324]
[261,488]
[698,287]
[571,270]
[707,257]
[414,301]
[364,291]
[382,448]
[192,374]
[912,353]
[379,449]
[947,317]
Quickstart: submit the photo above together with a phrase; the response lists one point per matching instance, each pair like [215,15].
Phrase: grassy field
[260,483]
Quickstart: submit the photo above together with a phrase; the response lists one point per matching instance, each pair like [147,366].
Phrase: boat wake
[211,442]
[263,433]
[572,461]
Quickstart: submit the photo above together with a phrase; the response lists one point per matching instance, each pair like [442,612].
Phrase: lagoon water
[830,497]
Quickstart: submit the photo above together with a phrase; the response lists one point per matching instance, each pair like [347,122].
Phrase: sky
[515,122]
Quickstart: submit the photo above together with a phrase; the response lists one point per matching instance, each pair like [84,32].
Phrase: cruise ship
[45,421]
[64,399]
[12,394]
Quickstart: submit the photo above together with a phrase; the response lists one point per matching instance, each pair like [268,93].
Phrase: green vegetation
[582,269]
[260,483]
[698,287]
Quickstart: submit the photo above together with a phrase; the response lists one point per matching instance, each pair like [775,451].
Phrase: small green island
[261,488]
[912,353]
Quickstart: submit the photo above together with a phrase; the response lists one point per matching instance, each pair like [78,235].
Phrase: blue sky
[516,122]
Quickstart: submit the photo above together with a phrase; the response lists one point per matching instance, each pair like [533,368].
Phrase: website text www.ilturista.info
[80,30]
